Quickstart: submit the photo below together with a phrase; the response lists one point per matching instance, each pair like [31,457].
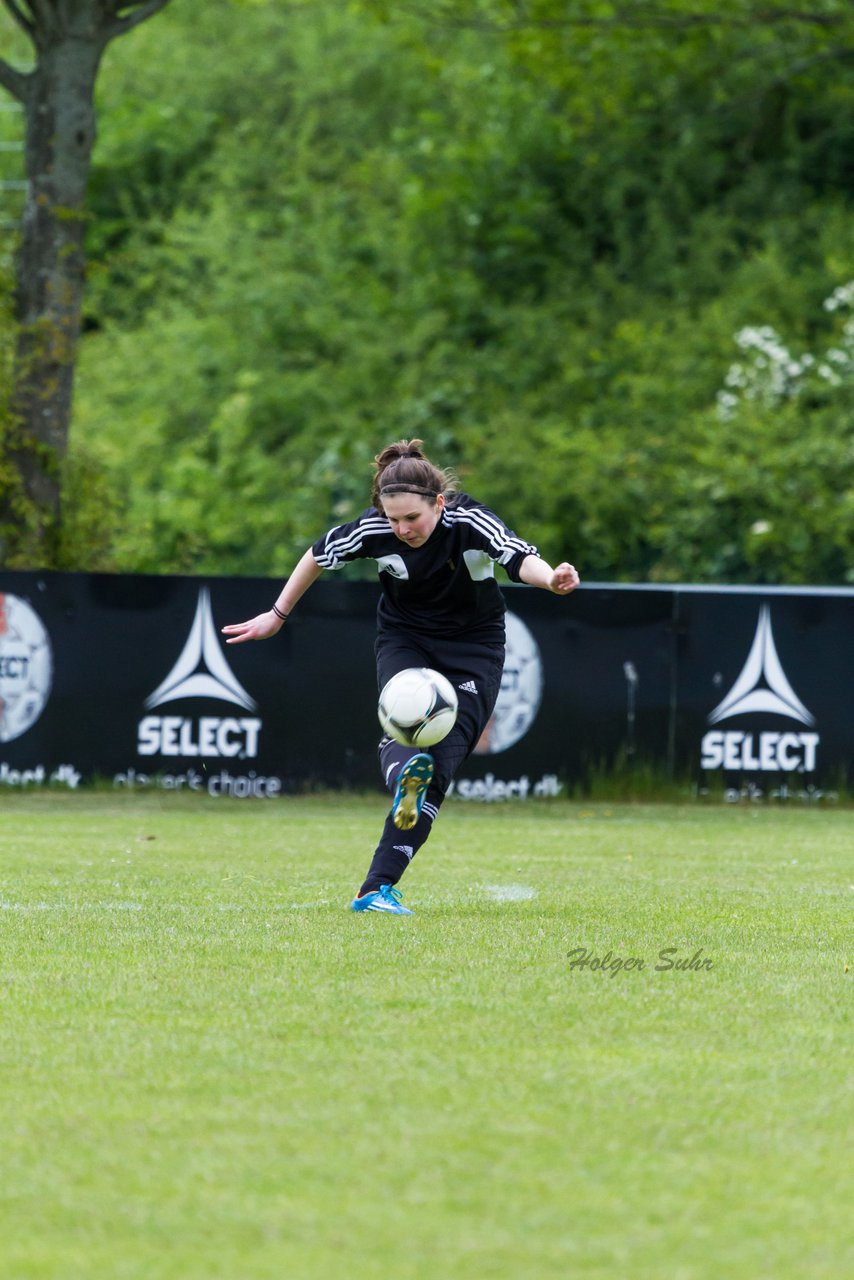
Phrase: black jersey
[445,587]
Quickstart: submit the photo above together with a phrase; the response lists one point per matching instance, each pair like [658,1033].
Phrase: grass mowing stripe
[239,1078]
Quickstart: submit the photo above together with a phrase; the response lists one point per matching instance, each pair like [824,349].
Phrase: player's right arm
[268,624]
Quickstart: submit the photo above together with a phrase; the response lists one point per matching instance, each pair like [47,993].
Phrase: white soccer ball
[418,707]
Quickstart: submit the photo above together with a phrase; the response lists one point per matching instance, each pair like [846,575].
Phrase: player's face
[412,517]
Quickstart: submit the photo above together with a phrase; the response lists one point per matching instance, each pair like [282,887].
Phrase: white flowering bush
[769,374]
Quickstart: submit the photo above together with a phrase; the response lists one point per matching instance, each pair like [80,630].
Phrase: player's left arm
[538,573]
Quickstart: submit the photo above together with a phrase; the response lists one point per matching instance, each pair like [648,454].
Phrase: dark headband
[408,488]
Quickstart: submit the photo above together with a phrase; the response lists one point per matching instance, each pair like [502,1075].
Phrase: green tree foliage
[532,242]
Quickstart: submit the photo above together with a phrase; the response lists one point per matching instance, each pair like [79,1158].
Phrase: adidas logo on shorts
[468,686]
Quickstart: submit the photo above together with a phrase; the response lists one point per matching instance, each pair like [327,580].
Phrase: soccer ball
[418,707]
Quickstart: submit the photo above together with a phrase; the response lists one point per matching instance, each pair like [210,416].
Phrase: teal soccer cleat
[386,899]
[412,784]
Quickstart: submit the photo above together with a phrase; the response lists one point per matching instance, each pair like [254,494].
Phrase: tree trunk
[69,37]
[49,277]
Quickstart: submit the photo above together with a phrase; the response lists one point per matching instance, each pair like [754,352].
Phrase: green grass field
[210,1068]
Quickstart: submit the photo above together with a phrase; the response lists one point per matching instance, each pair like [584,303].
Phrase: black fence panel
[128,678]
[764,695]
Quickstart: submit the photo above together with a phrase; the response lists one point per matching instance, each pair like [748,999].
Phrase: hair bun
[406,464]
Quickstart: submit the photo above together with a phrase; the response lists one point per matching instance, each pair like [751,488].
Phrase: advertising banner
[127,678]
[765,696]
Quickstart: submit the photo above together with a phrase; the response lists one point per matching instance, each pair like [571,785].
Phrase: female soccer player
[440,607]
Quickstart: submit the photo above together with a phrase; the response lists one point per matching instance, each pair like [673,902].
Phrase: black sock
[393,756]
[397,848]
[387,866]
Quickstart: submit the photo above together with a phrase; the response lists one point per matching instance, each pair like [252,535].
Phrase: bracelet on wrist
[277,611]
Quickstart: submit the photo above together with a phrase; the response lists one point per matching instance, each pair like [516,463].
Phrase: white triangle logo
[201,671]
[762,685]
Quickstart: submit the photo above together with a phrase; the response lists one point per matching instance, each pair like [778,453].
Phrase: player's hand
[564,579]
[260,628]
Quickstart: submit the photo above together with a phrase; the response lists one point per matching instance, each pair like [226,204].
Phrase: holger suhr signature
[668,958]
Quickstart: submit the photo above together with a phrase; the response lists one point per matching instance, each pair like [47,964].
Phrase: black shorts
[473,668]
